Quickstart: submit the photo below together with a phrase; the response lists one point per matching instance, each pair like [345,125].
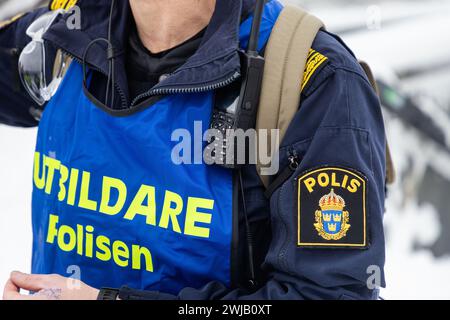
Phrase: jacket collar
[216,59]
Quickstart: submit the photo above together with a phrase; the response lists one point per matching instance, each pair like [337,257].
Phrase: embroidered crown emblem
[332,201]
[332,220]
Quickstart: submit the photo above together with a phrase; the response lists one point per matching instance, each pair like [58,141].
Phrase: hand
[47,287]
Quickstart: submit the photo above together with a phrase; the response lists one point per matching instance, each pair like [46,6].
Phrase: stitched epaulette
[316,61]
[62,4]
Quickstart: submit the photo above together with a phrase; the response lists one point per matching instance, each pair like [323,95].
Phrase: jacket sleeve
[340,125]
[15,103]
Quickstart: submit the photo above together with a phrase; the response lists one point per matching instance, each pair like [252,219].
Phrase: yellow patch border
[363,245]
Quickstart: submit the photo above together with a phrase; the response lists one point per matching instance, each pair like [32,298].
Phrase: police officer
[109,201]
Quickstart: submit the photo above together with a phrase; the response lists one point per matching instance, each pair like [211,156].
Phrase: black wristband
[108,294]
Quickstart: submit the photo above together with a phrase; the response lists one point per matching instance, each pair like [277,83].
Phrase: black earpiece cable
[252,280]
[111,59]
[111,55]
[252,51]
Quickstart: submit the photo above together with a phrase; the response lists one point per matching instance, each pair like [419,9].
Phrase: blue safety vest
[111,207]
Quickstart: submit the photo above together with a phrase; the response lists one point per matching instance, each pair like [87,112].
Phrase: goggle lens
[32,64]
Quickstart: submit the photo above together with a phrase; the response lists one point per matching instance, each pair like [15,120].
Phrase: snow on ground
[412,273]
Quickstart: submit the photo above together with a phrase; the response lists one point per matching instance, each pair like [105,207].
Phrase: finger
[17,296]
[10,289]
[11,292]
[29,282]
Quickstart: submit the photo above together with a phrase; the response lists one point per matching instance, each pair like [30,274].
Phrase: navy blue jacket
[338,128]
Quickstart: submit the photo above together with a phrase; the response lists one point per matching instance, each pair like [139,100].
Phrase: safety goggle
[33,65]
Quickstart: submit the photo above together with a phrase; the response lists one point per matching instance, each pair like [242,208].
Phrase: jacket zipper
[184,90]
[119,90]
[286,173]
[294,163]
[293,158]
[164,91]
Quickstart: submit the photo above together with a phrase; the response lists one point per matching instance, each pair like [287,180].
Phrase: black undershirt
[145,69]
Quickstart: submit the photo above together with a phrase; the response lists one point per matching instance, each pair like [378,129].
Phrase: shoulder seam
[331,69]
[355,72]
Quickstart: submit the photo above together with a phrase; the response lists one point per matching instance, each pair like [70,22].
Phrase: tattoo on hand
[52,294]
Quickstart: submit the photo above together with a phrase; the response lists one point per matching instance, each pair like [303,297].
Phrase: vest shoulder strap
[286,53]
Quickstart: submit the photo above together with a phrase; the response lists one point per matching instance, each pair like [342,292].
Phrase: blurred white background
[408,45]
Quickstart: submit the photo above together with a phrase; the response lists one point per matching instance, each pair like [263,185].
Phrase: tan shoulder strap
[286,55]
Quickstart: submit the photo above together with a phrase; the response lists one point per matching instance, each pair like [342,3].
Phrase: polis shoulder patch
[316,61]
[332,209]
[62,4]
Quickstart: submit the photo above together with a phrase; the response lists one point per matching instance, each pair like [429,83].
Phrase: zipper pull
[293,159]
[294,163]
